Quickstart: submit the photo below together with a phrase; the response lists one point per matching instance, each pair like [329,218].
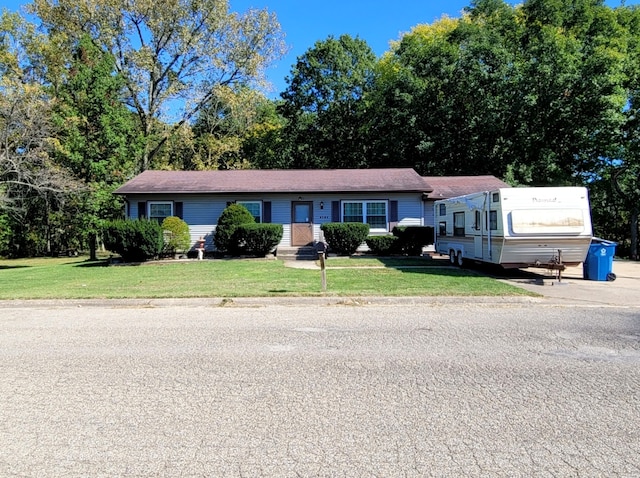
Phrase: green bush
[176,235]
[233,216]
[134,240]
[345,237]
[411,239]
[258,239]
[5,235]
[382,245]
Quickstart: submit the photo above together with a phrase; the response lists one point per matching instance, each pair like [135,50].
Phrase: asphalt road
[443,389]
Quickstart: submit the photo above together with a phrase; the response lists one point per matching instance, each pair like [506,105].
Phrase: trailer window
[478,224]
[458,224]
[549,221]
[442,228]
[495,197]
[493,220]
[442,209]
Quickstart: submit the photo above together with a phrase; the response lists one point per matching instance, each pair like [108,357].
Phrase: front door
[301,223]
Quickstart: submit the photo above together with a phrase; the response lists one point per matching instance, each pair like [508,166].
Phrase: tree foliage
[531,93]
[544,92]
[323,104]
[171,53]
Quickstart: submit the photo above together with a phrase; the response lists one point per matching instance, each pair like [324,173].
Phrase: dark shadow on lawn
[100,263]
[495,271]
[424,265]
[399,262]
[13,267]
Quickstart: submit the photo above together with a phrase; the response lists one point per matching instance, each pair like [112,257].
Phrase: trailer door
[477,235]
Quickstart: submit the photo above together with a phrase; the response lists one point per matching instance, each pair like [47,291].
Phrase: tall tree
[532,93]
[322,104]
[170,53]
[571,63]
[27,134]
[625,170]
[97,137]
[443,97]
[222,126]
[262,145]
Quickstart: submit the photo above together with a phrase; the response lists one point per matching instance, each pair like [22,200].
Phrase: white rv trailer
[516,227]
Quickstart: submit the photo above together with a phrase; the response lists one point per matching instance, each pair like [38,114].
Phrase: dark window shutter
[142,209]
[335,211]
[177,209]
[266,211]
[393,211]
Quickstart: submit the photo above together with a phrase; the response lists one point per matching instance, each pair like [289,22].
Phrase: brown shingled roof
[444,187]
[275,181]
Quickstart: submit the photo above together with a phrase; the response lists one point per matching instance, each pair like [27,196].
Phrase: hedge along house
[300,200]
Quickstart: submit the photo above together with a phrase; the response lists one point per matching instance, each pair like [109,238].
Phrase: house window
[158,211]
[442,228]
[254,207]
[373,213]
[458,224]
[442,209]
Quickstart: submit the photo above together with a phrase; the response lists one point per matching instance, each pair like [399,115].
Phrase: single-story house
[300,200]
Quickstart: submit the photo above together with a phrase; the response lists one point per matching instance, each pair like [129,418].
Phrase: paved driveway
[573,289]
[253,389]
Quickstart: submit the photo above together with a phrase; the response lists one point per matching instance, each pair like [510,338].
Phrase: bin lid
[604,242]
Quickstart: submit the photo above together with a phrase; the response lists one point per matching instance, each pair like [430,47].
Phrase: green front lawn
[77,278]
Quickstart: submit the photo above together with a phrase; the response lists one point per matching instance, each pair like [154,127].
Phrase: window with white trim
[458,224]
[254,207]
[159,210]
[374,213]
[493,220]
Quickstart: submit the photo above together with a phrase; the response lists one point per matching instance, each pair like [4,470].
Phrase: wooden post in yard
[323,272]
[322,248]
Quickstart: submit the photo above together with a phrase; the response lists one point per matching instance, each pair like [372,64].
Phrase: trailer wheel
[452,257]
[459,259]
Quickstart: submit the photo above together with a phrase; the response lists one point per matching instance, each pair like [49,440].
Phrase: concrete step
[304,253]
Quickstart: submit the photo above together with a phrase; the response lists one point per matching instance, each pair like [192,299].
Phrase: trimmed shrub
[176,235]
[345,237]
[134,240]
[233,216]
[411,239]
[382,245]
[258,239]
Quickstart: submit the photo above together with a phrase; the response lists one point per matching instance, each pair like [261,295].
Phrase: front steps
[302,253]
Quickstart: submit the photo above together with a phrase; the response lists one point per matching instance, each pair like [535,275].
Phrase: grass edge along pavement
[78,278]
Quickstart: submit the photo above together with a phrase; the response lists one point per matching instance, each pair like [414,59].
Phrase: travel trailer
[516,227]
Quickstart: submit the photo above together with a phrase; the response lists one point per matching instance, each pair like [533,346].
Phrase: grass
[77,278]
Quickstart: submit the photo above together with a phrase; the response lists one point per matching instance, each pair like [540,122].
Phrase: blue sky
[376,21]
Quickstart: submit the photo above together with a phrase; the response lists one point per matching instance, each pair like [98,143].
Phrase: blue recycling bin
[599,262]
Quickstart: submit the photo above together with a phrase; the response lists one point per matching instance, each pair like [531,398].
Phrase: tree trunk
[93,256]
[634,234]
